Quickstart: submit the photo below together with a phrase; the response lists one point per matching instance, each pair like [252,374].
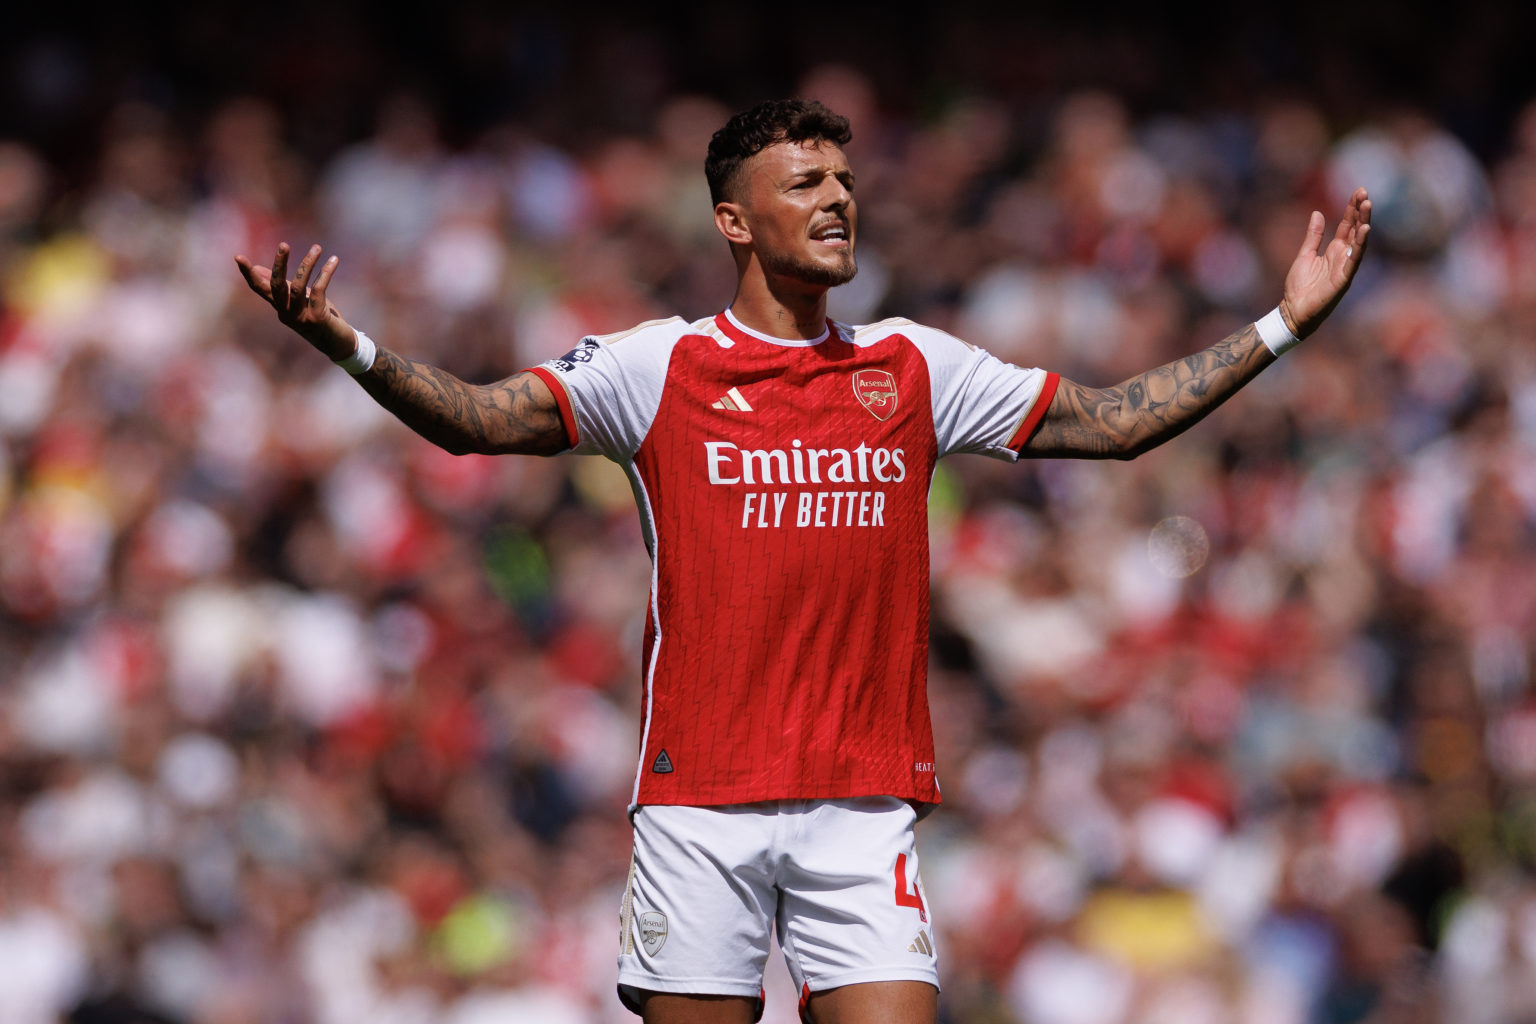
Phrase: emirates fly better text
[731,465]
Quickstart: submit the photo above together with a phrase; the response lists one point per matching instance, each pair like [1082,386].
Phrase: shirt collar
[741,332]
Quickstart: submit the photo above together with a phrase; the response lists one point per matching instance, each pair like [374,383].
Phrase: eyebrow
[821,171]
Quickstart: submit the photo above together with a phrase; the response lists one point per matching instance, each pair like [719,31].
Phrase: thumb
[259,279]
[1315,225]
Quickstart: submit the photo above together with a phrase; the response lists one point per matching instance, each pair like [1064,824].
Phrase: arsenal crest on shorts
[653,931]
[876,391]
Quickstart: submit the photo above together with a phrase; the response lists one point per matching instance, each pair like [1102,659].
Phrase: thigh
[852,910]
[670,1008]
[697,911]
[876,1002]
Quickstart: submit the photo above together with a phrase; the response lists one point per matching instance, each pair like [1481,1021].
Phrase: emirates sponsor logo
[729,464]
[876,391]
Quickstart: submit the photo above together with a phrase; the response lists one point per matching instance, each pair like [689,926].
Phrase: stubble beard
[811,271]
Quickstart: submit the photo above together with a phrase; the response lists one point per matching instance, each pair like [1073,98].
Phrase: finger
[280,277]
[1358,217]
[258,278]
[1346,228]
[322,281]
[1362,235]
[301,272]
[1315,225]
[1354,250]
[1352,216]
[1358,210]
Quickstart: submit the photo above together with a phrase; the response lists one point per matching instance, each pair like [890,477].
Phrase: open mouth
[834,233]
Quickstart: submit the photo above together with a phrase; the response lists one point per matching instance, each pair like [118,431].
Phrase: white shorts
[837,879]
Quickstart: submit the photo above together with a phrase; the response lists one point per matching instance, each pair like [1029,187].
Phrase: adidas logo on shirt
[733,401]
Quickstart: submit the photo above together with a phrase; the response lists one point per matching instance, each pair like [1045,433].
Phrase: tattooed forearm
[1141,413]
[514,415]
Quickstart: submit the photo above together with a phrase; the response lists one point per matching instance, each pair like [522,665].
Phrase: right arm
[515,415]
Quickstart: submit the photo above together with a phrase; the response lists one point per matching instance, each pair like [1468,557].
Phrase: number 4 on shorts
[906,892]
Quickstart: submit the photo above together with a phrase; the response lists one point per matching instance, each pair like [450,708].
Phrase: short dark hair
[768,123]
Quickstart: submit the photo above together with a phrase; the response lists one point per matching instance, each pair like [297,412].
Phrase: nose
[837,196]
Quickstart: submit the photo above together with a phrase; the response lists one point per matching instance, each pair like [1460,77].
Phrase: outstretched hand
[300,303]
[1319,278]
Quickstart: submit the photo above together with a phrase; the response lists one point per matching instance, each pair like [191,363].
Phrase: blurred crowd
[304,721]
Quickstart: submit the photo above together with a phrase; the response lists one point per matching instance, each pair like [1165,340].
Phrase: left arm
[1142,412]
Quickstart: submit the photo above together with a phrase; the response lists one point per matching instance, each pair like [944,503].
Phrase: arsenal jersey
[783,491]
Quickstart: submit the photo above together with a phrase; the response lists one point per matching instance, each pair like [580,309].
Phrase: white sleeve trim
[979,401]
[614,383]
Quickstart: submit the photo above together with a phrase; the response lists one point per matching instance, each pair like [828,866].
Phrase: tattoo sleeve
[515,415]
[1141,413]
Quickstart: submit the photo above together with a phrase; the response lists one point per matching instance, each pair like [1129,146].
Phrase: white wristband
[1275,334]
[360,361]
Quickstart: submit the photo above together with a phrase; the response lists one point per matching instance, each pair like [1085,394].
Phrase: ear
[731,221]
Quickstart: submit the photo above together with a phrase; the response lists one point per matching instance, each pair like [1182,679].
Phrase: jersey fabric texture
[783,492]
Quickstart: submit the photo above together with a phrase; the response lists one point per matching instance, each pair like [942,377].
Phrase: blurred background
[303,721]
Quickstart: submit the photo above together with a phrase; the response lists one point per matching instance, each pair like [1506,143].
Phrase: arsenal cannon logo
[653,931]
[876,391]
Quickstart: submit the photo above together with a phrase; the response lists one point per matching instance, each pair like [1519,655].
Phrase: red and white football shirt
[783,491]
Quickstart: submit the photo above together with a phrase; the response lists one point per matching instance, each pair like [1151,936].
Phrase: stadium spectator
[1305,695]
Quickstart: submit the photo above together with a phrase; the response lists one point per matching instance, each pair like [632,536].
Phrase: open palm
[1321,274]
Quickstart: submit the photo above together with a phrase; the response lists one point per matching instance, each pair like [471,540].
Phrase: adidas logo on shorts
[921,944]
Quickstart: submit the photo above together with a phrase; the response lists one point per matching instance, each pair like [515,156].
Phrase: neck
[781,309]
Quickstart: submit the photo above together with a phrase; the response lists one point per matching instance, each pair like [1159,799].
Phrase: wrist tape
[1274,333]
[360,361]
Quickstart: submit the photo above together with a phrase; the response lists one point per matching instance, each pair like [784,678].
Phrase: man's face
[797,200]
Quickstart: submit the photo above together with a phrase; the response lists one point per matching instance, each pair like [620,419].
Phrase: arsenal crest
[653,931]
[876,391]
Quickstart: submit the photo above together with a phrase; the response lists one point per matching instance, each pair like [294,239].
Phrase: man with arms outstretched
[781,465]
